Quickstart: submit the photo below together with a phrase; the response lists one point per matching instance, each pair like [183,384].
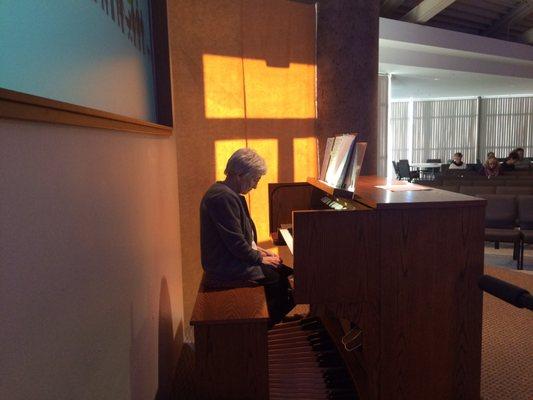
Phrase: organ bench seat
[231,346]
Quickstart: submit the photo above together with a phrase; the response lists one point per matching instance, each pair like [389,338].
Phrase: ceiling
[450,64]
[426,61]
[510,20]
[429,83]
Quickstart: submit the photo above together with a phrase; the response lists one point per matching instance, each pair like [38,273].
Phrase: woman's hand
[272,260]
[267,253]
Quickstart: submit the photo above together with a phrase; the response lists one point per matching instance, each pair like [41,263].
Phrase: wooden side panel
[332,252]
[431,307]
[363,363]
[284,198]
[366,315]
[232,361]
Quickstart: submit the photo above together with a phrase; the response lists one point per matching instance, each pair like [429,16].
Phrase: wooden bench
[230,335]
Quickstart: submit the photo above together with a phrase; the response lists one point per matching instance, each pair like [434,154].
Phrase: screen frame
[23,106]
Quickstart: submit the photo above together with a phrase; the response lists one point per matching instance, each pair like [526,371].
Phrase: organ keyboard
[394,276]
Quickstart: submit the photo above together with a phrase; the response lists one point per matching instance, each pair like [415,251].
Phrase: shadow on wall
[169,345]
[243,75]
[168,351]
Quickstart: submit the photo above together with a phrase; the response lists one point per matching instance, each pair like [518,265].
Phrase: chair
[449,188]
[487,182]
[525,221]
[474,167]
[519,182]
[500,221]
[514,190]
[476,190]
[404,171]
[459,173]
[433,171]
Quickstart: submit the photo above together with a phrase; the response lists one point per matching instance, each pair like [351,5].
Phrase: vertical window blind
[444,127]
[439,128]
[383,105]
[398,130]
[506,123]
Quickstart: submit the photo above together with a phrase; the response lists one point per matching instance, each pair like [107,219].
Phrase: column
[347,73]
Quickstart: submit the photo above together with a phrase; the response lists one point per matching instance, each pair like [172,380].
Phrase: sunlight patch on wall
[268,149]
[223,151]
[305,158]
[223,87]
[237,88]
[279,93]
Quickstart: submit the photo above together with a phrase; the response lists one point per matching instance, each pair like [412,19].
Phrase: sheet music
[327,157]
[288,238]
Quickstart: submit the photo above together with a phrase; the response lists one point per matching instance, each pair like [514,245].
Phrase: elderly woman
[230,255]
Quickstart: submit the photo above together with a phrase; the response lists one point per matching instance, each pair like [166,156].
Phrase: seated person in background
[491,167]
[509,163]
[457,162]
[521,163]
[230,255]
[490,155]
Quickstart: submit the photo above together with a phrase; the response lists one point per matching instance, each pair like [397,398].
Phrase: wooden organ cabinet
[393,276]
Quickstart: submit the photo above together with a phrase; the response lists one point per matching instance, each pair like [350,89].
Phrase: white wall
[88,238]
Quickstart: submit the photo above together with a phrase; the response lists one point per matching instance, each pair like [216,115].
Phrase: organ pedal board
[304,363]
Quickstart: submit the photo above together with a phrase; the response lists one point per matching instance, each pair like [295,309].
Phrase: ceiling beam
[426,10]
[527,36]
[516,14]
[389,6]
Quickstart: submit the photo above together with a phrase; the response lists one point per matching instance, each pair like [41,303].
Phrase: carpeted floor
[507,341]
[503,257]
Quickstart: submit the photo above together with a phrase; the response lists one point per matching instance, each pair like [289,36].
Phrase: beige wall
[90,278]
[244,75]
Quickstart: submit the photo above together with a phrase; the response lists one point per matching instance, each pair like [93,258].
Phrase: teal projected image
[130,20]
[93,53]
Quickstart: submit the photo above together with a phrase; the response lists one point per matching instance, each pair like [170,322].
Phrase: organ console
[391,278]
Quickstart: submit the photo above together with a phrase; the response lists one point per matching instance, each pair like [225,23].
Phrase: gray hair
[245,162]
